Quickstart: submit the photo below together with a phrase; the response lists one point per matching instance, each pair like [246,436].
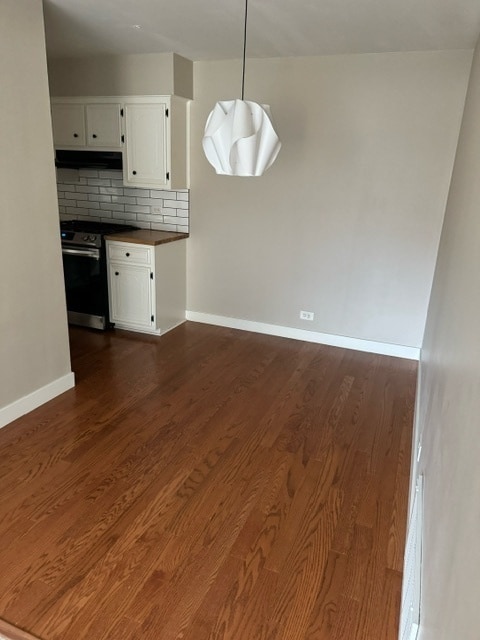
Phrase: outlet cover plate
[306,315]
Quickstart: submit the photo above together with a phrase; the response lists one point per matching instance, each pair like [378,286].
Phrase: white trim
[414,632]
[383,348]
[33,400]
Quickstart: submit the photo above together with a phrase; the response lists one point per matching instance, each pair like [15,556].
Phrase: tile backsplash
[88,194]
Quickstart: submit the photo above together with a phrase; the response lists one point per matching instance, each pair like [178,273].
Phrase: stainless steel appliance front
[85,271]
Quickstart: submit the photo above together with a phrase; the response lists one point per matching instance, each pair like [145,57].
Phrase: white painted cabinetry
[78,125]
[146,285]
[150,131]
[104,125]
[68,121]
[145,159]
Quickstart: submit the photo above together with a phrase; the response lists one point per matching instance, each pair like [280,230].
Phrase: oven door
[85,286]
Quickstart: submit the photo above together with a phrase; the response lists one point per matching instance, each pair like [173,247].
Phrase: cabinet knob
[134,173]
[116,273]
[127,254]
[94,135]
[75,135]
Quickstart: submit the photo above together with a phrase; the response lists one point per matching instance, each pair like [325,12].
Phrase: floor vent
[412,574]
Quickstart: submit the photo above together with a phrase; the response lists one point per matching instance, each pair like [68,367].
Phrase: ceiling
[213,29]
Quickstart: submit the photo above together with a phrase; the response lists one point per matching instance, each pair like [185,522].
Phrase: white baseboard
[383,348]
[33,400]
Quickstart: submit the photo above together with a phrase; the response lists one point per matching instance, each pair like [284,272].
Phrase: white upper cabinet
[150,131]
[104,125]
[87,125]
[68,121]
[147,145]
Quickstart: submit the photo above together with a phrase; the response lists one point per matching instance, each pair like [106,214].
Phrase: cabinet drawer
[129,253]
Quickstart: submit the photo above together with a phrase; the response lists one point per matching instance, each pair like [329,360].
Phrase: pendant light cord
[244,48]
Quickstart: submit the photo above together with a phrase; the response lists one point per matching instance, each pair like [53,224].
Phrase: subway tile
[124,199]
[133,208]
[118,184]
[110,173]
[75,210]
[68,187]
[63,202]
[142,225]
[111,190]
[181,213]
[73,195]
[86,189]
[61,208]
[106,214]
[182,229]
[154,193]
[99,198]
[183,195]
[148,202]
[137,193]
[67,216]
[99,182]
[75,182]
[173,204]
[146,217]
[168,211]
[125,217]
[87,204]
[170,219]
[164,227]
[179,204]
[112,206]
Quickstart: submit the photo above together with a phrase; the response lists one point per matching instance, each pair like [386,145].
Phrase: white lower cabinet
[146,285]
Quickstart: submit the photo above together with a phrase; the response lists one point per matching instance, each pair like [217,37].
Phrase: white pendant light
[239,137]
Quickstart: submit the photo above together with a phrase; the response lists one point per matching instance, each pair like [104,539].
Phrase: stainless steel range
[85,271]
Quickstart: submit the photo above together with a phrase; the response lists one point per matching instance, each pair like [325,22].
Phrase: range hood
[72,159]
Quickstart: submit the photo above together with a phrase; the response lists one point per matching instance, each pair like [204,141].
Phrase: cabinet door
[104,125]
[146,145]
[68,121]
[131,295]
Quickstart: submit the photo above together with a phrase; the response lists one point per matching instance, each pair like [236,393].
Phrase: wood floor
[210,484]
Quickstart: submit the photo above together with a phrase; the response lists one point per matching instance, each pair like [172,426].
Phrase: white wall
[449,403]
[346,223]
[122,75]
[34,349]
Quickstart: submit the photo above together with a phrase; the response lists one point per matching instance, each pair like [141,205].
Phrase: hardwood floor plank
[209,485]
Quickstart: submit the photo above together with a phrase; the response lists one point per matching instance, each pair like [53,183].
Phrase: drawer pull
[116,273]
[127,254]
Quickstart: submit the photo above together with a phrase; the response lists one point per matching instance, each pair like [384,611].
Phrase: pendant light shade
[240,139]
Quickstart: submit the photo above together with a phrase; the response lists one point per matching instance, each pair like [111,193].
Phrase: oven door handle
[84,253]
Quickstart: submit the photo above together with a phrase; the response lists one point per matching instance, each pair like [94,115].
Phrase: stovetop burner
[89,233]
[92,226]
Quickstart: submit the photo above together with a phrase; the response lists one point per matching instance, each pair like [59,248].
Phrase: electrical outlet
[156,208]
[306,315]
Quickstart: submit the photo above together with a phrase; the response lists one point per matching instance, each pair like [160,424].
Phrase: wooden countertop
[147,236]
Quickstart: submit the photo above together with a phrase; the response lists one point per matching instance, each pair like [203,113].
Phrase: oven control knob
[85,238]
[91,238]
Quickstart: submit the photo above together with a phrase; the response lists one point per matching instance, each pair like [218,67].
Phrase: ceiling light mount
[239,137]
